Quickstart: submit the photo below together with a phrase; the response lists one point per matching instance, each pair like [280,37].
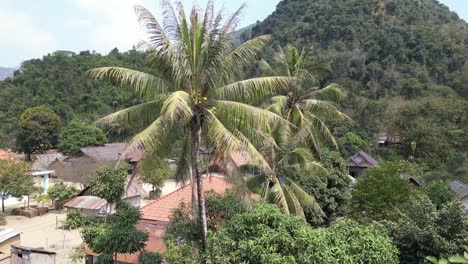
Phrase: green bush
[266,235]
[150,258]
[75,219]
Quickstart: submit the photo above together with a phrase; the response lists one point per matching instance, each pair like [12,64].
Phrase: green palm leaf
[254,90]
[144,84]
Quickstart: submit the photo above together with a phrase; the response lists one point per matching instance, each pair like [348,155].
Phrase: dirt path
[41,231]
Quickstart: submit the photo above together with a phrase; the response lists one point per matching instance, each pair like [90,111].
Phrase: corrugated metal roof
[459,188]
[86,202]
[7,233]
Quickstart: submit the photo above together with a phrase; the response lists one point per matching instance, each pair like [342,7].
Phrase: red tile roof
[160,209]
[7,155]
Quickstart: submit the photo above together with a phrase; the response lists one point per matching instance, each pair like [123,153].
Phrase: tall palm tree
[286,157]
[191,93]
[305,105]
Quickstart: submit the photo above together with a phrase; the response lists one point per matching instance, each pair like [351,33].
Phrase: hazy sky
[32,28]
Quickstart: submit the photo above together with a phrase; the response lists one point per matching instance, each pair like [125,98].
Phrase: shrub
[266,235]
[150,258]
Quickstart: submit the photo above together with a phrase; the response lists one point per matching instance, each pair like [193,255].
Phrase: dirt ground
[41,231]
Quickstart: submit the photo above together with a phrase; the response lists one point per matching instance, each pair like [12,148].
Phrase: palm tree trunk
[196,134]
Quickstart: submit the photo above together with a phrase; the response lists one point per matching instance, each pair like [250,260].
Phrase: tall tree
[14,179]
[287,159]
[39,129]
[192,93]
[118,235]
[77,135]
[306,104]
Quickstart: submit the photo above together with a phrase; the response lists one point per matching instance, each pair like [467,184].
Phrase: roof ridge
[177,190]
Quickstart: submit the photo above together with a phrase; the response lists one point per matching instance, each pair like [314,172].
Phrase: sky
[32,28]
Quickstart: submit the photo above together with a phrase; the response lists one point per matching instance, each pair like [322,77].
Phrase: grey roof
[86,202]
[108,152]
[7,233]
[23,249]
[459,188]
[43,161]
[362,159]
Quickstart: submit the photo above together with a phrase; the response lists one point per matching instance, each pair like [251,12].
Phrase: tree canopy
[77,135]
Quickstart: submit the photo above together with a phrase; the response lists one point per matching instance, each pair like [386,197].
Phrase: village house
[155,217]
[359,162]
[461,190]
[91,205]
[29,255]
[81,166]
[8,237]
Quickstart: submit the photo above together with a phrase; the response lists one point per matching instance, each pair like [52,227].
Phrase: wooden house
[359,162]
[29,255]
[8,237]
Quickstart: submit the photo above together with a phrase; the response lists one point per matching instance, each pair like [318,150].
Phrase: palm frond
[144,84]
[254,90]
[294,205]
[177,107]
[279,105]
[305,199]
[255,184]
[241,115]
[332,92]
[322,108]
[183,171]
[220,138]
[245,54]
[156,35]
[143,113]
[277,196]
[159,137]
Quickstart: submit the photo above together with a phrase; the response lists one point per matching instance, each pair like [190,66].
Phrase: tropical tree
[287,158]
[192,93]
[306,104]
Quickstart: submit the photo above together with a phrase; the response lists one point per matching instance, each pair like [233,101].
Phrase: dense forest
[403,64]
[59,81]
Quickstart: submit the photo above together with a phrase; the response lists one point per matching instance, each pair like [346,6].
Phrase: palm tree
[305,104]
[191,94]
[286,158]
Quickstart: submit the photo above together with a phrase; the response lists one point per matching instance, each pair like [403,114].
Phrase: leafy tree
[451,259]
[439,193]
[332,189]
[350,143]
[61,192]
[425,231]
[154,171]
[219,210]
[14,180]
[383,193]
[109,183]
[39,129]
[117,236]
[265,235]
[77,135]
[146,257]
[193,94]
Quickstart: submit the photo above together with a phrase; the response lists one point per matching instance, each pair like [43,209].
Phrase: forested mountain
[59,81]
[376,44]
[5,73]
[403,64]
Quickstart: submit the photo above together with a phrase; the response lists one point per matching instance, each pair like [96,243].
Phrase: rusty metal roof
[459,188]
[86,202]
